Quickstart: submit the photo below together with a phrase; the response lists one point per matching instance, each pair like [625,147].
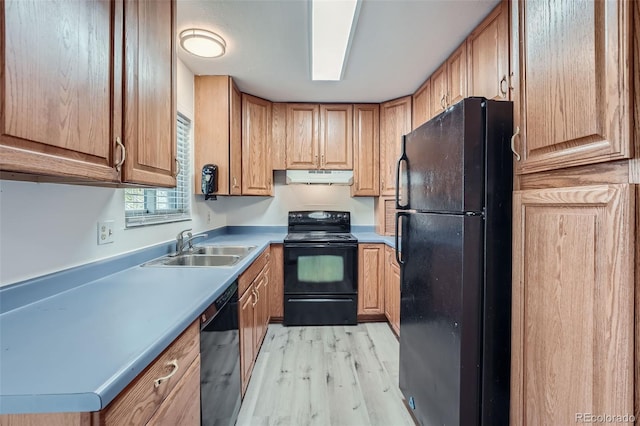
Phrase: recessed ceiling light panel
[332,25]
[202,43]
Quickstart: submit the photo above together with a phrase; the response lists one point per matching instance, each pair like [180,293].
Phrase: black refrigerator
[454,201]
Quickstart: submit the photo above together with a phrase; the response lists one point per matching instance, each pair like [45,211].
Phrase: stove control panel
[320,217]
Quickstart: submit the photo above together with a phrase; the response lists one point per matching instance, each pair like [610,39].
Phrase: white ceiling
[396,45]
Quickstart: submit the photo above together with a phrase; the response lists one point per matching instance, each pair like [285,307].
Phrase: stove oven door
[320,268]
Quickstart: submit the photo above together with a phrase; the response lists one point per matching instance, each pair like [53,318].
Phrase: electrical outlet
[105,232]
[208,218]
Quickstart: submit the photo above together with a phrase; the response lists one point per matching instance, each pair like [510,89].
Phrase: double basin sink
[205,256]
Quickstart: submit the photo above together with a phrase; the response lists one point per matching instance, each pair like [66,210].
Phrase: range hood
[326,177]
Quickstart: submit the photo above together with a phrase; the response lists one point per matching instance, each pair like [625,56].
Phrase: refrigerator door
[440,317]
[443,161]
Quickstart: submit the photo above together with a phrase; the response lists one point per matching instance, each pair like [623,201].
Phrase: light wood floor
[331,375]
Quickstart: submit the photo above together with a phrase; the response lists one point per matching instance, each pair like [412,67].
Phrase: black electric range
[320,269]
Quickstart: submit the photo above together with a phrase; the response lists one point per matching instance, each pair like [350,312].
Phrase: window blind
[146,206]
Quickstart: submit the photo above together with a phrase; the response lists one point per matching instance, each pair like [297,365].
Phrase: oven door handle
[323,245]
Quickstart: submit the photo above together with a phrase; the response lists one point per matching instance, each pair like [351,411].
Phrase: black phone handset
[209,181]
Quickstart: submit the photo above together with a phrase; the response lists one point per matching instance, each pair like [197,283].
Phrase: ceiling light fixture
[333,23]
[203,43]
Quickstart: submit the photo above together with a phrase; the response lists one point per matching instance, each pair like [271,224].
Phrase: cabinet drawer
[137,403]
[248,276]
[182,406]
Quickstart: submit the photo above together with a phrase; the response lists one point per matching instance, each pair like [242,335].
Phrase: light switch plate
[105,232]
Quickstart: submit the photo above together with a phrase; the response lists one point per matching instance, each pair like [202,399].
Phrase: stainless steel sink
[201,260]
[223,250]
[205,256]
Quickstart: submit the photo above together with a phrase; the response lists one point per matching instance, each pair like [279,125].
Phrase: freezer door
[440,324]
[443,168]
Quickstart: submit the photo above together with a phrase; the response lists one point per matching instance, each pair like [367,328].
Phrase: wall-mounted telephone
[209,181]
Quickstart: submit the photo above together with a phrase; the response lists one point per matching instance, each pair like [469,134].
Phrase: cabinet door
[574,83]
[262,307]
[212,131]
[421,105]
[58,83]
[235,140]
[392,290]
[572,312]
[457,75]
[182,406]
[371,258]
[279,135]
[336,137]
[395,121]
[438,90]
[150,93]
[488,56]
[276,282]
[366,150]
[256,154]
[247,332]
[302,136]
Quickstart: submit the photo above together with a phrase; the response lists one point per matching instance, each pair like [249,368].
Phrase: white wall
[49,227]
[46,228]
[273,210]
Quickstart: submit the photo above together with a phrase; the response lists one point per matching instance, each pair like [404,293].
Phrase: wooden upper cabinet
[336,136]
[366,150]
[58,83]
[395,121]
[421,111]
[256,139]
[217,130]
[302,136]
[150,93]
[488,56]
[438,90]
[449,82]
[573,303]
[574,83]
[457,75]
[235,141]
[72,97]
[279,135]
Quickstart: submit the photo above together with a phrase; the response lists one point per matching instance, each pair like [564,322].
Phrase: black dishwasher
[220,361]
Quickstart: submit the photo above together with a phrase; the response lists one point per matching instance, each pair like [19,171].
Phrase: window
[146,206]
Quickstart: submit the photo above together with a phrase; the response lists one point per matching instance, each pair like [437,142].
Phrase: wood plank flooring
[331,375]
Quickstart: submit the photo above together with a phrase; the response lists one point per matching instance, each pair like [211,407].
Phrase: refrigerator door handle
[402,158]
[397,240]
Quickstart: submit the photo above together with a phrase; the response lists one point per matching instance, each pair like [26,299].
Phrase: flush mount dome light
[203,43]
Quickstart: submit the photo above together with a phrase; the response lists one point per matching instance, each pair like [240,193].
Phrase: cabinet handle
[322,162]
[235,182]
[255,297]
[503,92]
[315,162]
[510,80]
[124,154]
[442,104]
[513,143]
[173,363]
[178,169]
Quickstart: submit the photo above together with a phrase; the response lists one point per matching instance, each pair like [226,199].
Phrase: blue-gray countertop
[77,349]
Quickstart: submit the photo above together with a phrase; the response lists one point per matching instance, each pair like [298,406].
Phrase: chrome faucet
[181,242]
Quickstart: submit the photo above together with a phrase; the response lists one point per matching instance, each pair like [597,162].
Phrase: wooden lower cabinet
[182,406]
[371,279]
[276,284]
[573,304]
[392,290]
[247,331]
[254,313]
